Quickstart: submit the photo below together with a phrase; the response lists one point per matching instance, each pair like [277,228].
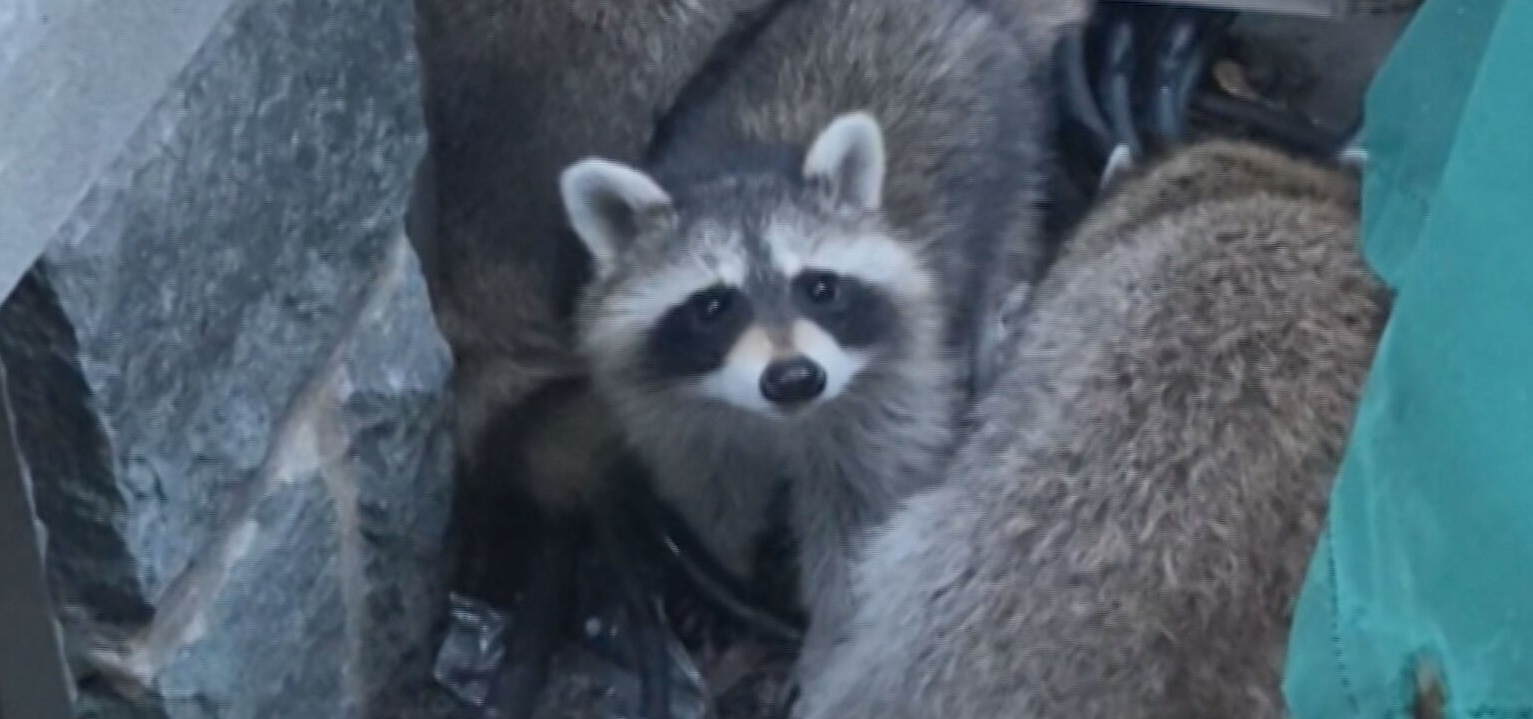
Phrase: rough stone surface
[231,392]
[76,77]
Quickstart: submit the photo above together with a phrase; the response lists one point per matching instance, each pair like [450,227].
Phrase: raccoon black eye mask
[857,315]
[693,338]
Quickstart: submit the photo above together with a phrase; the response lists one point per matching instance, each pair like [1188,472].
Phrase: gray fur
[1037,25]
[515,90]
[1126,530]
[963,113]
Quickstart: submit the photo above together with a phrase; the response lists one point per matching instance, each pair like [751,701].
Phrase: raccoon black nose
[792,381]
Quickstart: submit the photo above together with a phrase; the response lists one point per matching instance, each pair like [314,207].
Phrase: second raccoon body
[1126,528]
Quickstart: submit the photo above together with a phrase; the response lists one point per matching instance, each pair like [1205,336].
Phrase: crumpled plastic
[590,678]
[593,677]
[471,653]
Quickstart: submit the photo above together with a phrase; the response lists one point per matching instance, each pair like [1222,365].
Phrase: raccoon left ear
[610,204]
[848,160]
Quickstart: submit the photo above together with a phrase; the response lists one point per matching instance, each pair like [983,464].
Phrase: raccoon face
[777,343]
[767,293]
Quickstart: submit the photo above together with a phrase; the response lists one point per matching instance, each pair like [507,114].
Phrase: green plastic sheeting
[1428,553]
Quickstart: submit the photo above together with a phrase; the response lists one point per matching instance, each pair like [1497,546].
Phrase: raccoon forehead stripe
[873,259]
[780,247]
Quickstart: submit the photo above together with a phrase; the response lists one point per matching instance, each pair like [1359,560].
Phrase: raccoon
[514,91]
[768,194]
[758,327]
[1126,529]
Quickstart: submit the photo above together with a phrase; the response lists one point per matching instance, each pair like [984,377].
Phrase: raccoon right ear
[847,159]
[610,204]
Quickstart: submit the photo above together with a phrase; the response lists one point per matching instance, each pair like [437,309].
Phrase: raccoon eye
[821,288]
[707,307]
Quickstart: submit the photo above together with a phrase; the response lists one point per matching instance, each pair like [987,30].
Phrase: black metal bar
[33,681]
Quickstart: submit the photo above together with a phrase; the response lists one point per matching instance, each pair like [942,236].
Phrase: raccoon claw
[1121,161]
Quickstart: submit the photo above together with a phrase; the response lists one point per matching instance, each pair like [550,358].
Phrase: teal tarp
[1428,553]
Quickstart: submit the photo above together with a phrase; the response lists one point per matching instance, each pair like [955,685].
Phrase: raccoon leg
[1006,293]
[620,540]
[830,524]
[541,614]
[891,646]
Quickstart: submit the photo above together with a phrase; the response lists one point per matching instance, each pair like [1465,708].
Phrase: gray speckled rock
[231,392]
